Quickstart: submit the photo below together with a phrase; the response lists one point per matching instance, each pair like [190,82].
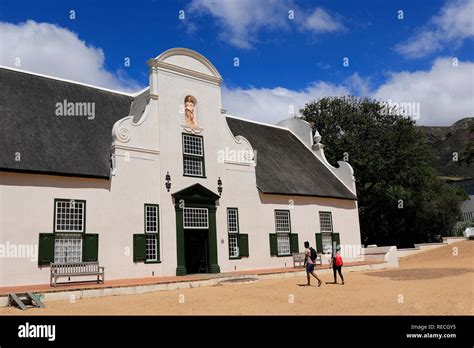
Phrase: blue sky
[283,61]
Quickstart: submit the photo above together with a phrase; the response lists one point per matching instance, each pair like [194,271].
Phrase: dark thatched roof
[51,144]
[285,165]
[34,139]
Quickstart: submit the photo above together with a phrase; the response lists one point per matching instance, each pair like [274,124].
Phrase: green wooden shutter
[243,245]
[294,247]
[45,249]
[319,242]
[335,239]
[90,249]
[139,248]
[273,244]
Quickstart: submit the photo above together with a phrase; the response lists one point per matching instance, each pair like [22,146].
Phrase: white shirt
[307,253]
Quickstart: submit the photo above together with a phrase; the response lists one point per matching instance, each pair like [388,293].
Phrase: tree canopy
[402,201]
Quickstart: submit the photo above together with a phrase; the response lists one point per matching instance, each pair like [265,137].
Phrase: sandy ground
[437,282]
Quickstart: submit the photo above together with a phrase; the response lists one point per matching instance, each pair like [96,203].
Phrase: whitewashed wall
[145,152]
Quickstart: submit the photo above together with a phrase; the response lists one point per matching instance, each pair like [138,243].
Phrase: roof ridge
[132,95]
[257,122]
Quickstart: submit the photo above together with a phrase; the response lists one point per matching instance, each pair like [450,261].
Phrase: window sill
[147,262]
[195,176]
[238,257]
[286,255]
[67,232]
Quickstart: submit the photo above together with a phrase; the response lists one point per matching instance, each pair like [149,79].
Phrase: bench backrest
[298,256]
[74,267]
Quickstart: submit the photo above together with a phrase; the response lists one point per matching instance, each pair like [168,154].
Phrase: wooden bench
[298,258]
[76,269]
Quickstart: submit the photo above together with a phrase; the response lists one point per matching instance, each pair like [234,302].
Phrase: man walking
[309,260]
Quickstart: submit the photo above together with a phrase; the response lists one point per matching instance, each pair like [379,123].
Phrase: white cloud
[320,21]
[52,50]
[445,94]
[272,105]
[453,25]
[241,22]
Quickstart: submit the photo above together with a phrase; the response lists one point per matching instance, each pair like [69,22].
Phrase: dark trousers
[339,270]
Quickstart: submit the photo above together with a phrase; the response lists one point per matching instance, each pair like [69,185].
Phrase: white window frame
[193,155]
[234,251]
[283,244]
[283,231]
[151,247]
[233,232]
[326,229]
[68,247]
[326,239]
[151,222]
[324,216]
[280,226]
[193,218]
[195,144]
[152,228]
[69,213]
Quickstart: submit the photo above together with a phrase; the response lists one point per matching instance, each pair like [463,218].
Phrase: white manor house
[159,183]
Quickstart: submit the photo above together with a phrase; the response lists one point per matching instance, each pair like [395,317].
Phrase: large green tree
[401,199]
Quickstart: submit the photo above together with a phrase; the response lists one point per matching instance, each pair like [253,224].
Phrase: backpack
[314,254]
[338,260]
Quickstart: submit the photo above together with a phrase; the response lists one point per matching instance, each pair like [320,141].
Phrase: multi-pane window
[283,230]
[325,222]
[151,218]
[193,166]
[233,220]
[283,244]
[233,229]
[67,247]
[195,218]
[151,247]
[69,225]
[468,216]
[192,145]
[282,221]
[193,155]
[69,215]
[151,231]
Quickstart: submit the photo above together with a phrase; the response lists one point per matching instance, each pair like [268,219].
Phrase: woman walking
[337,263]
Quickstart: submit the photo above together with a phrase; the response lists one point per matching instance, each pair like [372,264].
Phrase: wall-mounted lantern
[168,181]
[219,186]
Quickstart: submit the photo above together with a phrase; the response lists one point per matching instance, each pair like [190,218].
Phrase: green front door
[196,246]
[196,251]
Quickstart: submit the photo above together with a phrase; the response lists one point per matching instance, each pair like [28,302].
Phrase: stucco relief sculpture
[190,111]
[190,117]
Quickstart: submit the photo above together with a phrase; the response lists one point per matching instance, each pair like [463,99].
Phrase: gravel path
[437,282]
